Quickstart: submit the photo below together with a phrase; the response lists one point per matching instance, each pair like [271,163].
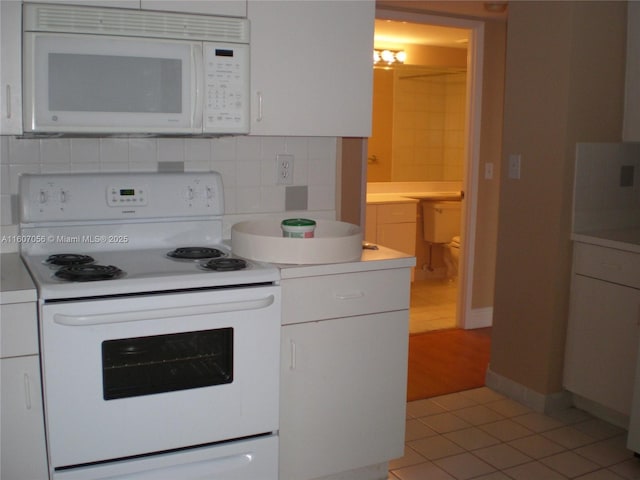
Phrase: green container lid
[298,222]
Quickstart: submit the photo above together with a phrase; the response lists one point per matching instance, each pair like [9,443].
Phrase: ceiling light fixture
[388,57]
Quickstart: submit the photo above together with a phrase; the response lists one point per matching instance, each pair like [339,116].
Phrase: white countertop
[381,259]
[15,282]
[627,239]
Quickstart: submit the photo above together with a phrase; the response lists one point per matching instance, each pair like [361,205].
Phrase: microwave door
[105,84]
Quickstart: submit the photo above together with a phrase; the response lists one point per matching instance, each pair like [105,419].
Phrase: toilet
[442,226]
[452,256]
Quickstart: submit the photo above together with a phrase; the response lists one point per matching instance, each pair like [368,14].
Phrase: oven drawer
[18,330]
[344,295]
[607,264]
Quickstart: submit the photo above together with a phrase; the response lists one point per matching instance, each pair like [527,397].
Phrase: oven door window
[139,366]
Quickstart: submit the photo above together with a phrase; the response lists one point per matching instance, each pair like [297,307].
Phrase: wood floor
[442,359]
[447,361]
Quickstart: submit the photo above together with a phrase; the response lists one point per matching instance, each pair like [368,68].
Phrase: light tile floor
[433,305]
[479,434]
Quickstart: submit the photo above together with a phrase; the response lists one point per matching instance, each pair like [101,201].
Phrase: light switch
[514,165]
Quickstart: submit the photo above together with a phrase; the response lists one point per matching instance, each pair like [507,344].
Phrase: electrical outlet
[284,169]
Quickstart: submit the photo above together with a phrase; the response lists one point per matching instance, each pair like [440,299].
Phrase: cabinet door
[311,67]
[343,394]
[228,8]
[10,73]
[602,342]
[23,446]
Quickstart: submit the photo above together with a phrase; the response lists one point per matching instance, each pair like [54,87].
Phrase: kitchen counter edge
[623,239]
[381,259]
[16,285]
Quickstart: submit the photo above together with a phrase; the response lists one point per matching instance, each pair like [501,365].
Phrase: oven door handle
[154,314]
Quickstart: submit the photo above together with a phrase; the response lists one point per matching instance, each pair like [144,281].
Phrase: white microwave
[90,70]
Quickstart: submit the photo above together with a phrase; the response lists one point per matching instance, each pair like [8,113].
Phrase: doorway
[455,290]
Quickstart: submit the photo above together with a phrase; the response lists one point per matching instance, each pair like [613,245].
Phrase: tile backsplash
[247,165]
[607,186]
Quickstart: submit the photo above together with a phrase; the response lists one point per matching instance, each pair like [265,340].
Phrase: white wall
[246,163]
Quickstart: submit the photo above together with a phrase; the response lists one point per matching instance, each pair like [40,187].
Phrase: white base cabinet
[603,329]
[343,372]
[22,441]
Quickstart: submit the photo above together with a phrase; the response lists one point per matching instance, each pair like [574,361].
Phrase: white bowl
[262,240]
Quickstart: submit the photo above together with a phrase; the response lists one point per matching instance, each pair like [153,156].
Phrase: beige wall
[564,84]
[490,152]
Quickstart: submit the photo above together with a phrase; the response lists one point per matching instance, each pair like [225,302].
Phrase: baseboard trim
[526,396]
[479,318]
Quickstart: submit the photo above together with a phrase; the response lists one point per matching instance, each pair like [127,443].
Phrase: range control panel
[81,197]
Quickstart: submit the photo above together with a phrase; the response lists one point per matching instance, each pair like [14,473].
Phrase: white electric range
[159,348]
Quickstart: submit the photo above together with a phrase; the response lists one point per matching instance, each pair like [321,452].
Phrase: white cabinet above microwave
[137,72]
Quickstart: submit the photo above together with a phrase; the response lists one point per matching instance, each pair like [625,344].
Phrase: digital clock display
[127,192]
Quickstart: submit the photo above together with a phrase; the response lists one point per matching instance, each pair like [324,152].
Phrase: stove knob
[44,196]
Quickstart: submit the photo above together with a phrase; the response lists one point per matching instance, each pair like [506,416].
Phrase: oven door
[135,375]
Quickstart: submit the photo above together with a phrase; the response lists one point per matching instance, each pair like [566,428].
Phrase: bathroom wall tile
[55,150]
[85,150]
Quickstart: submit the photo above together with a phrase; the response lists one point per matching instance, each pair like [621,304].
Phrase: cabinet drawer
[344,295]
[607,264]
[396,213]
[18,330]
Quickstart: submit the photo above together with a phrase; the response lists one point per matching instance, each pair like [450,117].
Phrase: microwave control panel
[226,70]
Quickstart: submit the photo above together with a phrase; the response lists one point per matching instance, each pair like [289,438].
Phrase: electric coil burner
[225,264]
[88,273]
[65,259]
[195,253]
[172,365]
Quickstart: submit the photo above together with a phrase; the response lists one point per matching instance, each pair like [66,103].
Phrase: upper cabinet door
[228,8]
[311,67]
[10,73]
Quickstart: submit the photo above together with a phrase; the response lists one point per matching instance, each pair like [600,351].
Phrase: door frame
[475,56]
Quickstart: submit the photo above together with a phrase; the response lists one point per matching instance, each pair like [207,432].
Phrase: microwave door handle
[154,314]
[197,85]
